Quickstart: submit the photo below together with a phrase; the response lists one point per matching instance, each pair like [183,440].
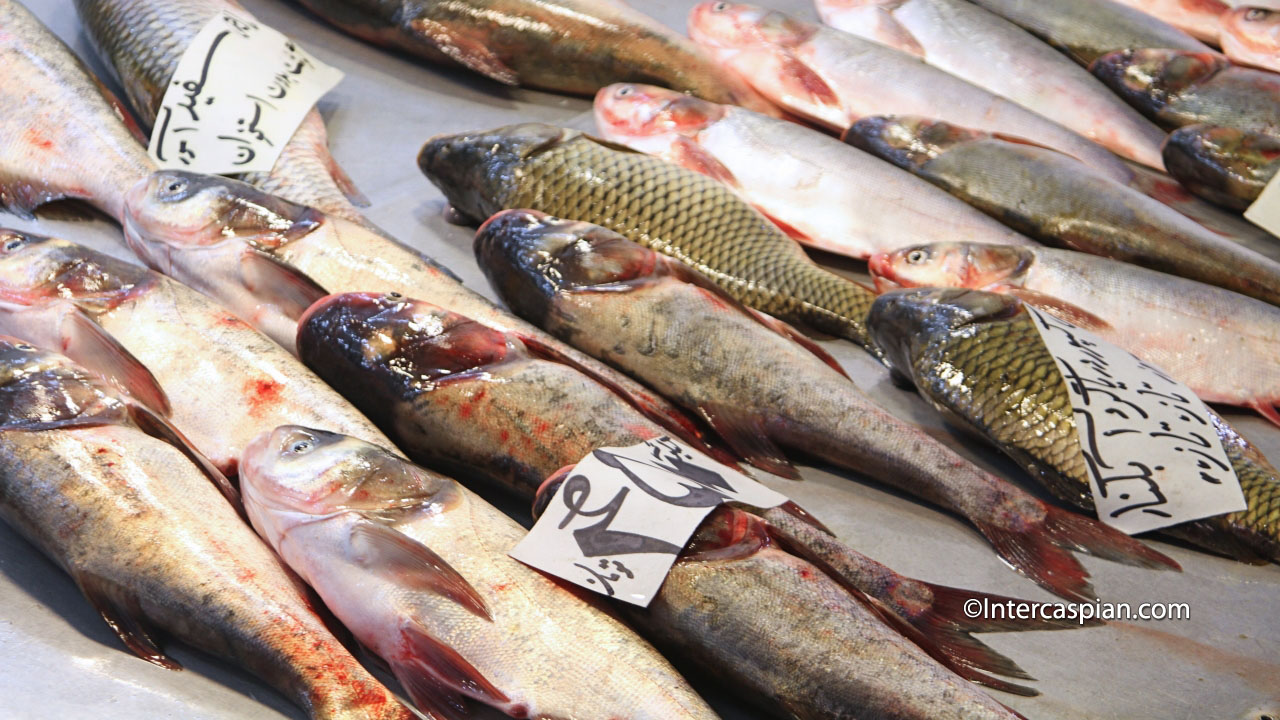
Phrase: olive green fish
[1224,165]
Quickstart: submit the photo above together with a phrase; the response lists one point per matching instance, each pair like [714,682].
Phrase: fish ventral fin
[437,677]
[88,344]
[279,284]
[389,552]
[471,52]
[123,614]
[1060,309]
[746,433]
[158,427]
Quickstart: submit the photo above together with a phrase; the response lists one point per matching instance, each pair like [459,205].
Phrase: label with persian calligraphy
[1265,211]
[240,91]
[1152,450]
[622,516]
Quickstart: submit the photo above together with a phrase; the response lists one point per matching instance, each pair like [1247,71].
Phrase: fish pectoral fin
[803,81]
[1060,309]
[745,432]
[388,551]
[685,151]
[279,284]
[788,330]
[159,427]
[437,677]
[88,344]
[464,49]
[878,23]
[123,614]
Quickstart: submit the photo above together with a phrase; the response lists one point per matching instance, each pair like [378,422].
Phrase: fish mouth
[881,271]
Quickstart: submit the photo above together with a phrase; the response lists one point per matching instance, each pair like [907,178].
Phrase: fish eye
[300,446]
[394,295]
[1256,14]
[24,346]
[625,91]
[720,7]
[13,244]
[173,189]
[917,256]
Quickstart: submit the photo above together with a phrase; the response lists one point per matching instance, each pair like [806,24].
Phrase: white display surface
[59,660]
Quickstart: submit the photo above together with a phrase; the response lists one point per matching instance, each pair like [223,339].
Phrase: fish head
[949,264]
[739,26]
[1149,78]
[37,271]
[531,257]
[1253,29]
[41,389]
[475,170]
[905,140]
[628,112]
[902,321]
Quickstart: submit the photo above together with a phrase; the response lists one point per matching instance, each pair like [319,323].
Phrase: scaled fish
[108,491]
[1201,19]
[1224,165]
[978,357]
[1251,35]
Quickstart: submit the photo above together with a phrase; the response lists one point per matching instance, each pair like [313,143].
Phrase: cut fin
[388,551]
[87,343]
[1060,309]
[124,616]
[438,678]
[801,80]
[746,434]
[688,153]
[789,331]
[157,426]
[279,284]
[470,52]
[1267,410]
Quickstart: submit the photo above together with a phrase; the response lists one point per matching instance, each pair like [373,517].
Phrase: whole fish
[172,346]
[1088,29]
[1201,19]
[86,477]
[1224,165]
[62,135]
[833,78]
[143,41]
[659,204]
[1251,36]
[820,191]
[416,566]
[1058,201]
[1205,337]
[1177,88]
[968,42]
[1011,392]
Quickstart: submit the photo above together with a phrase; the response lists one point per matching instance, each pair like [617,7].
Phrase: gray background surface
[58,660]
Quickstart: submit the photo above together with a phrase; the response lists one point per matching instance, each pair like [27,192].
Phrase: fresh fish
[656,203]
[108,491]
[417,567]
[1088,29]
[63,135]
[1177,88]
[142,41]
[833,78]
[1201,19]
[819,191]
[1060,202]
[968,42]
[1251,36]
[225,382]
[1224,165]
[978,357]
[1218,220]
[1204,336]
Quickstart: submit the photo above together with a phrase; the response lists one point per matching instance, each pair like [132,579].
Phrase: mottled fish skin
[969,42]
[659,204]
[152,544]
[1224,165]
[1201,19]
[978,357]
[142,41]
[1251,36]
[1088,29]
[226,381]
[63,134]
[334,506]
[1060,202]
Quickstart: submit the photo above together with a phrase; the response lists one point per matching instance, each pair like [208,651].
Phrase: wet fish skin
[153,546]
[1251,36]
[1201,19]
[978,357]
[143,41]
[63,135]
[412,562]
[943,34]
[1224,165]
[1054,199]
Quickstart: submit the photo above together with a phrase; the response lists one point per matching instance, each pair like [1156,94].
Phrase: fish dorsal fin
[279,284]
[1061,309]
[85,342]
[745,432]
[438,678]
[471,52]
[388,551]
[159,427]
[123,614]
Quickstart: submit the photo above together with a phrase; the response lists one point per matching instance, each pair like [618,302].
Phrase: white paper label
[622,516]
[1153,453]
[240,91]
[1265,211]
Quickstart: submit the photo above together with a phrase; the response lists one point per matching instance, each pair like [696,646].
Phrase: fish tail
[838,306]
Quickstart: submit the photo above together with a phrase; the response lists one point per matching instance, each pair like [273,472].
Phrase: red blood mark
[366,695]
[262,393]
[505,435]
[502,587]
[465,409]
[541,426]
[229,321]
[806,573]
[38,140]
[246,575]
[102,450]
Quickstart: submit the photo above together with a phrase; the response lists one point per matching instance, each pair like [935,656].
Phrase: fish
[677,211]
[833,78]
[967,41]
[113,495]
[1224,165]
[465,400]
[1201,19]
[63,135]
[1205,337]
[1177,88]
[219,380]
[1218,220]
[1060,202]
[1088,29]
[821,192]
[1249,36]
[416,566]
[142,43]
[1012,394]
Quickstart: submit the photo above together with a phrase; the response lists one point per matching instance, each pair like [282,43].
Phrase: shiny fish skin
[970,42]
[977,356]
[142,41]
[1201,19]
[664,206]
[1060,202]
[1224,165]
[63,135]
[154,547]
[1251,36]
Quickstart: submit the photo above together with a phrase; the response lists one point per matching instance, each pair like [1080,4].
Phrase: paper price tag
[239,93]
[1265,211]
[622,516]
[1153,453]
